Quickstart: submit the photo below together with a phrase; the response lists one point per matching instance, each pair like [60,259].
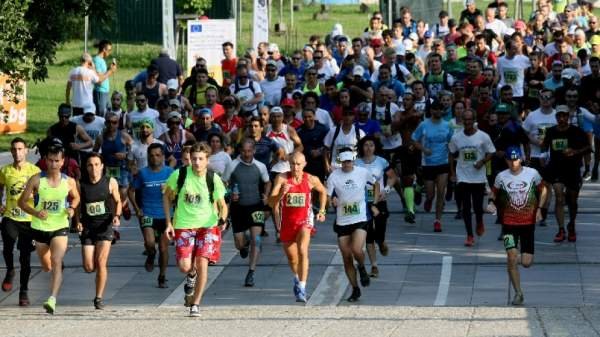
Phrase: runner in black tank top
[100,210]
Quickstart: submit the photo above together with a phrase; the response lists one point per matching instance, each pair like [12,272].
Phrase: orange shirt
[228,69]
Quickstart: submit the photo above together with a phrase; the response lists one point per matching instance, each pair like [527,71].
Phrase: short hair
[200,147]
[18,140]
[211,88]
[257,119]
[102,44]
[506,87]
[201,71]
[310,94]
[216,134]
[331,82]
[155,146]
[226,44]
[361,143]
[162,104]
[94,155]
[152,68]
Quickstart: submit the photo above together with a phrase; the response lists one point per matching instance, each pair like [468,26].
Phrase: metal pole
[389,5]
[280,10]
[85,33]
[291,14]
[240,16]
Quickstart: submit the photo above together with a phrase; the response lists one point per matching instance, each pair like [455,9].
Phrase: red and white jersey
[517,196]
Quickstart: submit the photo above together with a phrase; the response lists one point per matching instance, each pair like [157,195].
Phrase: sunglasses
[113,122]
[296,58]
[317,58]
[312,74]
[546,97]
[140,100]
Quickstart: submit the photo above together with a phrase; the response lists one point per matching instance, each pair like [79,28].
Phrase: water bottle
[235,193]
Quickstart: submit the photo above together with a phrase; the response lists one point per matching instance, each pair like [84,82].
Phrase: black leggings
[471,194]
[9,240]
[377,234]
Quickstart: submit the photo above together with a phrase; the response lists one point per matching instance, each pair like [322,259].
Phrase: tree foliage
[31,31]
[192,6]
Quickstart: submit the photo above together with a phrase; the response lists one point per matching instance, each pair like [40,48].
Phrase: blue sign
[196,28]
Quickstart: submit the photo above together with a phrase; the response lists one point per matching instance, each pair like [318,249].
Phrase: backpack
[237,89]
[337,133]
[399,75]
[388,114]
[210,183]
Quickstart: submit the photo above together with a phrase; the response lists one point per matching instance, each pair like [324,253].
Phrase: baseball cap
[513,153]
[288,102]
[413,36]
[64,110]
[428,35]
[272,63]
[172,84]
[148,122]
[89,109]
[202,112]
[469,2]
[174,114]
[273,48]
[276,110]
[595,39]
[308,48]
[346,155]
[175,102]
[358,71]
[562,109]
[376,43]
[519,24]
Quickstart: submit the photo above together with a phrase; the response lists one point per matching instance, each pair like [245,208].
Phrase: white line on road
[442,293]
[333,284]
[176,297]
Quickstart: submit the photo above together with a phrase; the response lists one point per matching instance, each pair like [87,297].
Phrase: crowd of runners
[496,114]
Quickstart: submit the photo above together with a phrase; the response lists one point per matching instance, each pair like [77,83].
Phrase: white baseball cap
[172,84]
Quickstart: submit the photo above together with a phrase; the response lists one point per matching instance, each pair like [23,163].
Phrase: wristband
[322,212]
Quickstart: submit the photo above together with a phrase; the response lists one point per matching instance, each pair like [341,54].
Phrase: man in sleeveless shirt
[50,222]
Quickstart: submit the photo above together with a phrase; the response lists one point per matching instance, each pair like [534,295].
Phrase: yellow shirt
[14,181]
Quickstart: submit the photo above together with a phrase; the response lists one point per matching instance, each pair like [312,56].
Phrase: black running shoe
[355,295]
[365,281]
[249,282]
[98,303]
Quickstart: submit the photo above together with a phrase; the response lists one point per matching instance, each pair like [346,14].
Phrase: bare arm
[276,192]
[298,147]
[68,93]
[114,191]
[87,140]
[316,185]
[32,185]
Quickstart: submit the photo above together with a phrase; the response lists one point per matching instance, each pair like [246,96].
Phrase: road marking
[176,297]
[333,284]
[442,293]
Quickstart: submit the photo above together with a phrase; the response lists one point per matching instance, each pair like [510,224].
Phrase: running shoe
[149,265]
[7,284]
[194,310]
[480,229]
[364,276]
[470,241]
[427,205]
[409,217]
[296,287]
[126,212]
[355,295]
[246,249]
[374,272]
[458,215]
[98,303]
[249,282]
[188,289]
[572,237]
[560,236]
[50,305]
[587,175]
[23,299]
[301,296]
[518,299]
[437,226]
[162,281]
[384,249]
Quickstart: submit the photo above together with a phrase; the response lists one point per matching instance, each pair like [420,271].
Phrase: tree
[31,31]
[192,6]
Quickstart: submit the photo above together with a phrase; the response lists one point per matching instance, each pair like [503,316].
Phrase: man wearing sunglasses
[142,113]
[272,84]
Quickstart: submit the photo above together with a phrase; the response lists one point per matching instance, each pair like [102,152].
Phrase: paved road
[429,285]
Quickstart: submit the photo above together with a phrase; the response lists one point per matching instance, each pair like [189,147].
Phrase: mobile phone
[114,61]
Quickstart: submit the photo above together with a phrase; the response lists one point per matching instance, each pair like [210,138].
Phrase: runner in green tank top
[50,222]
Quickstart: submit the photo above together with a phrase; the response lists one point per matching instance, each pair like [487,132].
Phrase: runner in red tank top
[293,215]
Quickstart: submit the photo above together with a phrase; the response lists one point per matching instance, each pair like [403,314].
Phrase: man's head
[18,149]
[297,162]
[271,70]
[94,166]
[199,156]
[152,73]
[546,98]
[86,60]
[562,116]
[247,150]
[55,157]
[111,120]
[204,118]
[211,95]
[156,156]
[141,102]
[228,50]
[513,156]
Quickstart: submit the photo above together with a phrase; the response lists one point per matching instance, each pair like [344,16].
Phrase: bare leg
[102,253]
[202,270]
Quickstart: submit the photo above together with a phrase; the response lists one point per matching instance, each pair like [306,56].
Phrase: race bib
[351,209]
[114,172]
[560,144]
[533,93]
[95,208]
[51,206]
[147,221]
[470,155]
[295,200]
[370,193]
[193,199]
[258,217]
[541,132]
[17,213]
[510,76]
[509,241]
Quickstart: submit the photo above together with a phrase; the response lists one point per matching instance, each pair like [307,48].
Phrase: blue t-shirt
[370,128]
[101,68]
[264,149]
[150,185]
[435,137]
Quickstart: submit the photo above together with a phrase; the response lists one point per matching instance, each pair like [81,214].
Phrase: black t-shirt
[589,86]
[557,141]
[363,85]
[511,134]
[470,17]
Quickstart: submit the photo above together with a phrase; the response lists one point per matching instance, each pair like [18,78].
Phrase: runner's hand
[170,231]
[43,214]
[286,188]
[427,152]
[116,221]
[79,227]
[538,215]
[321,217]
[2,209]
[139,213]
[334,202]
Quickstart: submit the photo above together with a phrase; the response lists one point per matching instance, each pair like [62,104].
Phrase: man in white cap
[93,126]
[275,55]
[346,188]
[173,94]
[272,84]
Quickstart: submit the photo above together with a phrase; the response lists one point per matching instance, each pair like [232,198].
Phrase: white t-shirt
[377,168]
[245,94]
[93,129]
[499,28]
[512,72]
[536,125]
[159,128]
[343,140]
[326,72]
[393,73]
[272,90]
[219,161]
[139,152]
[82,81]
[395,140]
[136,117]
[470,150]
[350,190]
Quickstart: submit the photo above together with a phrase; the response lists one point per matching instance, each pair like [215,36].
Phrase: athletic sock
[302,284]
[409,198]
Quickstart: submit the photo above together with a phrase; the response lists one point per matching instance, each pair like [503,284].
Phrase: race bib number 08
[95,208]
[350,209]
[295,200]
